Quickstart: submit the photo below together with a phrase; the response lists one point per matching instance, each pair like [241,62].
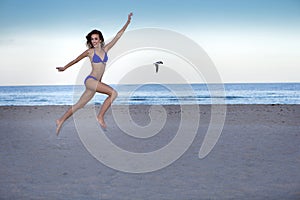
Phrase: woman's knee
[114,94]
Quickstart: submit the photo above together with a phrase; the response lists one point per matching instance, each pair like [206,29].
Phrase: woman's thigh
[104,88]
[85,98]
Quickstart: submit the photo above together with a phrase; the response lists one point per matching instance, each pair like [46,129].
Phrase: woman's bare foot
[58,126]
[101,122]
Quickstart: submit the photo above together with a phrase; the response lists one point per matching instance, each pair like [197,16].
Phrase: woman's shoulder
[105,48]
[89,51]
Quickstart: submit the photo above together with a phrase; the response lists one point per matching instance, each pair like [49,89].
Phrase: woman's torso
[98,60]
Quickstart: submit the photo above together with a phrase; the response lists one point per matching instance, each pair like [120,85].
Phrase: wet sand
[256,157]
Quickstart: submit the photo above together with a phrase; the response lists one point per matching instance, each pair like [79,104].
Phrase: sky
[247,40]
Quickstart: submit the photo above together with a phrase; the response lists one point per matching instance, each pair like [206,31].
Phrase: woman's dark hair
[89,38]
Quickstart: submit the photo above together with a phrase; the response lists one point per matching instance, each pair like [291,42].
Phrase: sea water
[157,94]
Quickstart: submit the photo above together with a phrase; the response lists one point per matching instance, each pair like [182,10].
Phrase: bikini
[96,59]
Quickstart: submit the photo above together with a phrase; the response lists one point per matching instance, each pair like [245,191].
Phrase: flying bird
[157,65]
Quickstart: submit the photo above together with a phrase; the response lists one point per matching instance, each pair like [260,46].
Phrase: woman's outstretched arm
[119,34]
[76,60]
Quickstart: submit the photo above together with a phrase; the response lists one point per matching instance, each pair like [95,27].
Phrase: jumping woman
[97,53]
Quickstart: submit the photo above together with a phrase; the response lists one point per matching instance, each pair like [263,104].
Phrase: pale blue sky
[249,41]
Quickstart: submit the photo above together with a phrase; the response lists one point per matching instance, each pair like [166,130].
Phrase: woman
[97,52]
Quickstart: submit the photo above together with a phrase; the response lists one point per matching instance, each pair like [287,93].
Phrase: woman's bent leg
[112,95]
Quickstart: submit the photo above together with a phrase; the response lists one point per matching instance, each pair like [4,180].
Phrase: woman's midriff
[98,70]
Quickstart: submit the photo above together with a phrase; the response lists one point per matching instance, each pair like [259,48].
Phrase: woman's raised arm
[119,34]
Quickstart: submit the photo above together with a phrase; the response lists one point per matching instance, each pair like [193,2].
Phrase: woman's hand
[60,69]
[129,16]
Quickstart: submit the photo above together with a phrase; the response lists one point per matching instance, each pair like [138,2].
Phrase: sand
[256,157]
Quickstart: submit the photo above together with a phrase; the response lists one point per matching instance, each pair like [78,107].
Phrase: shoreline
[99,104]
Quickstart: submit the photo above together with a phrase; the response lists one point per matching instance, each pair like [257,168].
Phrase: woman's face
[95,40]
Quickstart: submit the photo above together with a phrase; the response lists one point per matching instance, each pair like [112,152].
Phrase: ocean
[156,94]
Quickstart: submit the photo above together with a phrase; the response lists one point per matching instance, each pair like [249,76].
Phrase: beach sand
[256,157]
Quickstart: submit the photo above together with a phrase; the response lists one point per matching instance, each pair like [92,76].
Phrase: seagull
[157,64]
